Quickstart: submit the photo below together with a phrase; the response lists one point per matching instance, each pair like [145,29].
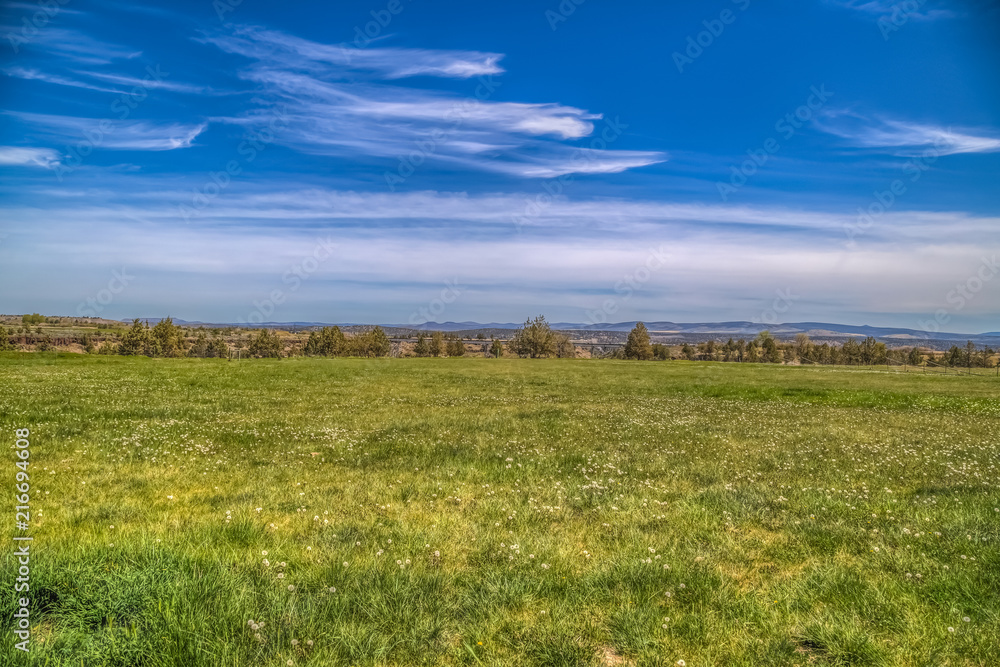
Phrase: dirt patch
[609,658]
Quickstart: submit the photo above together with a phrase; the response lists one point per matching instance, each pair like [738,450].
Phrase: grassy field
[502,512]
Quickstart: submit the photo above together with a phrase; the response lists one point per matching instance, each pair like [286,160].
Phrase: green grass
[808,516]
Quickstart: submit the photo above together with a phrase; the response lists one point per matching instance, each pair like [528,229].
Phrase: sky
[405,161]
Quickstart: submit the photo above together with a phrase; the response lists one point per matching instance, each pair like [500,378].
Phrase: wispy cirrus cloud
[81,48]
[28,157]
[31,74]
[148,82]
[905,138]
[289,52]
[923,11]
[329,112]
[122,135]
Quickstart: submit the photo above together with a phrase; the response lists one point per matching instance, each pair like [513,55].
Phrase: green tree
[312,346]
[166,339]
[535,339]
[688,352]
[217,347]
[378,344]
[200,346]
[437,344]
[803,346]
[496,349]
[265,344]
[661,352]
[5,343]
[332,342]
[953,357]
[769,352]
[564,346]
[637,346]
[456,348]
[135,340]
[422,349]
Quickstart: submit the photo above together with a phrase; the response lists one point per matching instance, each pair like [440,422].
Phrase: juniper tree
[637,346]
[535,339]
[135,340]
[265,344]
[421,349]
[437,344]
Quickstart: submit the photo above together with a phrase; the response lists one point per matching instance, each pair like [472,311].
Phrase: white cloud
[81,48]
[905,137]
[278,49]
[28,157]
[327,115]
[36,75]
[121,135]
[925,11]
[148,82]
[394,250]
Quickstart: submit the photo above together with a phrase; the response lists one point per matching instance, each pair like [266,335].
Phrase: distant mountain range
[663,330]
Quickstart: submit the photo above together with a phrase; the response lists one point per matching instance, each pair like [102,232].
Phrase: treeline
[331,342]
[440,345]
[764,348]
[534,340]
[166,339]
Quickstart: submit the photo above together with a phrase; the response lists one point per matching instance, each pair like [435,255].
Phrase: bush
[265,344]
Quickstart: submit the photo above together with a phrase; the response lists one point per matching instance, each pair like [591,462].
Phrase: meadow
[191,512]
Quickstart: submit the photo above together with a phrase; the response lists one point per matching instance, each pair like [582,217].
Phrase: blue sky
[402,160]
